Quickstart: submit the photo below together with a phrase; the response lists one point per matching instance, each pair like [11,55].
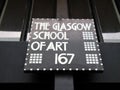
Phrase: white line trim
[3,11]
[28,34]
[111,37]
[116,10]
[10,36]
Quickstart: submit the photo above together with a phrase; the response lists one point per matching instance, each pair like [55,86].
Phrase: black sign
[63,44]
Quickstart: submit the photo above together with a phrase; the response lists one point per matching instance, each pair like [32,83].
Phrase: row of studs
[97,44]
[28,43]
[70,69]
[59,19]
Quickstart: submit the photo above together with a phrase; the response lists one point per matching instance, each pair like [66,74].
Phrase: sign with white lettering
[63,44]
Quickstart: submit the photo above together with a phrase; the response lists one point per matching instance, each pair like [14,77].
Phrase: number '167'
[64,58]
